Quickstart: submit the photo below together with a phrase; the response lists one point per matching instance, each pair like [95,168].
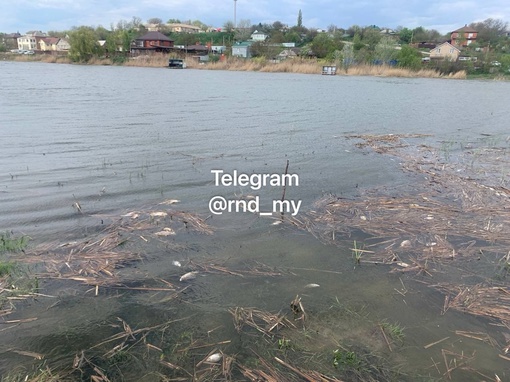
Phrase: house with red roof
[463,36]
[152,42]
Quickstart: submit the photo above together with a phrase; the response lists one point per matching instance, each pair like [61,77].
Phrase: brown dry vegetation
[303,66]
[454,212]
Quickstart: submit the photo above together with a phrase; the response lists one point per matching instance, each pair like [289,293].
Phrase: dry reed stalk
[484,337]
[435,343]
[259,269]
[480,300]
[262,321]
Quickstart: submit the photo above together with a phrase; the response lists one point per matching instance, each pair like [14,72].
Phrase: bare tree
[490,30]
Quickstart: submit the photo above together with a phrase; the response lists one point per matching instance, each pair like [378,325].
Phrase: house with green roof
[242,49]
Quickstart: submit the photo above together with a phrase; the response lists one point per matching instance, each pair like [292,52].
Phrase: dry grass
[297,65]
[152,61]
[388,71]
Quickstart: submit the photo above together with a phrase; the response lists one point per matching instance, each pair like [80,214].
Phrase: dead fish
[158,214]
[188,276]
[402,264]
[405,244]
[216,357]
[165,232]
[277,222]
[132,214]
[312,285]
[170,201]
[176,263]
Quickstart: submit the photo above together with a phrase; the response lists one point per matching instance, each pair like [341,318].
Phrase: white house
[63,45]
[30,40]
[259,36]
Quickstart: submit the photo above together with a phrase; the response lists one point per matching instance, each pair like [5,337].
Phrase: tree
[292,36]
[228,26]
[155,21]
[243,30]
[357,44]
[490,30]
[385,50]
[102,33]
[371,37]
[323,45]
[277,37]
[278,26]
[300,19]
[353,30]
[347,56]
[405,35]
[83,41]
[408,57]
[174,21]
[200,24]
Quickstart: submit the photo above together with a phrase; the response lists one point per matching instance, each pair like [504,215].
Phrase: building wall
[465,38]
[63,45]
[27,43]
[241,51]
[445,51]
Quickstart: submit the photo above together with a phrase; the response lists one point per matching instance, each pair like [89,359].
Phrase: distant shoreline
[304,66]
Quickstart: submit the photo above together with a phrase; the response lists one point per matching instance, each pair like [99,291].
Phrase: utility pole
[235,9]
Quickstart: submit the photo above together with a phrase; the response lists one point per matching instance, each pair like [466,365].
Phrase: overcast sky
[445,16]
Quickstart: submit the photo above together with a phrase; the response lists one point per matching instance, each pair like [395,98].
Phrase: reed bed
[97,259]
[390,71]
[296,65]
[455,210]
[480,300]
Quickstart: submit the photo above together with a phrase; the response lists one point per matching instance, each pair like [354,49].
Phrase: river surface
[119,139]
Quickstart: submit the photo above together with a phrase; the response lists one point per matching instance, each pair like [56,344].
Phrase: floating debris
[176,263]
[165,232]
[312,286]
[277,222]
[188,276]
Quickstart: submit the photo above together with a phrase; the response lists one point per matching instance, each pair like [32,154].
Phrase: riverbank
[304,66]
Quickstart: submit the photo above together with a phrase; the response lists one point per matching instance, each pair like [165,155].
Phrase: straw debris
[97,259]
[455,208]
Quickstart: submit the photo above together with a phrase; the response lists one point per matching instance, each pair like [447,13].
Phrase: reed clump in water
[454,210]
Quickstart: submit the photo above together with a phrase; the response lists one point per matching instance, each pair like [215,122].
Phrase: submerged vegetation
[12,244]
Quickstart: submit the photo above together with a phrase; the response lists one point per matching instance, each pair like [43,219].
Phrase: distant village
[479,44]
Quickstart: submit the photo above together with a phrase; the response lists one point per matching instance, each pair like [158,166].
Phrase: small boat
[176,63]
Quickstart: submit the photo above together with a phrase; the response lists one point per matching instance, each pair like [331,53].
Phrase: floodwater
[117,140]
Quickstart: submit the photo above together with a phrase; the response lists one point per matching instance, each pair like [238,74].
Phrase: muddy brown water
[118,140]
